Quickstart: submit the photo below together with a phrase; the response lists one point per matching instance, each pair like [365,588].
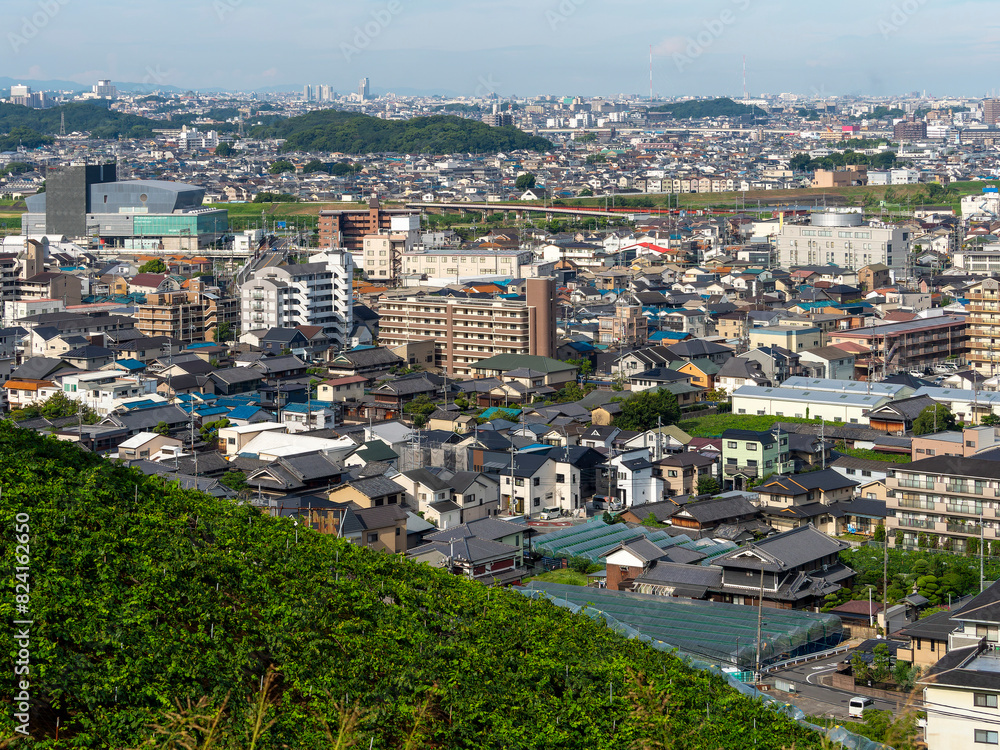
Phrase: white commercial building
[849,408]
[105,390]
[318,293]
[844,240]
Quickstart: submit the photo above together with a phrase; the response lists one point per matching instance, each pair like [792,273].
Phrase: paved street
[817,699]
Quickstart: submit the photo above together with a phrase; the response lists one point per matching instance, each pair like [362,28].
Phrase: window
[731,444]
[560,478]
[970,443]
[372,538]
[751,446]
[519,482]
[985,700]
[536,481]
[987,737]
[397,531]
[537,501]
[672,473]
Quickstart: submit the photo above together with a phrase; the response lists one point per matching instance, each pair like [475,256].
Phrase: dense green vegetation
[99,121]
[353,133]
[869,455]
[883,160]
[715,424]
[647,409]
[722,107]
[163,617]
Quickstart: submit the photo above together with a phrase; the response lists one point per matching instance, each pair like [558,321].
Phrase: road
[820,700]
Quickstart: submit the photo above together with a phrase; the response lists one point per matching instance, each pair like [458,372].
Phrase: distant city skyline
[514,47]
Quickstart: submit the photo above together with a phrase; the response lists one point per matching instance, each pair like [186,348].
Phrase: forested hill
[699,108]
[99,121]
[353,133]
[146,597]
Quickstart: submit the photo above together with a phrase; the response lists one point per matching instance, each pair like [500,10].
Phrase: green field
[562,575]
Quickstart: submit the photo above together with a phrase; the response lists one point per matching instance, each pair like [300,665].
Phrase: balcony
[913,523]
[971,509]
[915,484]
[747,471]
[917,504]
[963,489]
[964,528]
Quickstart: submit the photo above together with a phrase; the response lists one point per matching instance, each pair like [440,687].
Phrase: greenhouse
[724,634]
[594,538]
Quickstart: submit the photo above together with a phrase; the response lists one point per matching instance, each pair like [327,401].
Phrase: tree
[879,534]
[153,266]
[224,150]
[585,193]
[223,332]
[525,181]
[859,668]
[936,418]
[57,406]
[234,480]
[210,430]
[281,165]
[708,486]
[645,410]
[162,428]
[899,537]
[990,420]
[420,408]
[881,663]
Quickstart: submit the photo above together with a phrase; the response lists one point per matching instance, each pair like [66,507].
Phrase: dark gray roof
[907,408]
[953,670]
[381,516]
[39,368]
[799,484]
[428,479]
[483,528]
[783,551]
[956,466]
[715,510]
[233,375]
[367,358]
[376,486]
[639,546]
[983,608]
[469,549]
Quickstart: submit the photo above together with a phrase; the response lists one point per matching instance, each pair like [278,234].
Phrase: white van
[550,513]
[858,704]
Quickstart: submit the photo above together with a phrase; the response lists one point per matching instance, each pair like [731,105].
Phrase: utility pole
[760,618]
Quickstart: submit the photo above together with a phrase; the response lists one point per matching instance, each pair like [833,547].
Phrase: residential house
[750,455]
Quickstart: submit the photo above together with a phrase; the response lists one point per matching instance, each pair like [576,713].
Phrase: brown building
[874,276]
[186,316]
[466,331]
[348,228]
[909,130]
[991,111]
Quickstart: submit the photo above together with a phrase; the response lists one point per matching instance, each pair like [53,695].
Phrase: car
[550,513]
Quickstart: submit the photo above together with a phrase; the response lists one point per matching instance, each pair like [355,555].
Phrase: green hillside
[353,133]
[99,121]
[699,108]
[159,613]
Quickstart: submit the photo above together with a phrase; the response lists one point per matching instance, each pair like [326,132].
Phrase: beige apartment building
[186,316]
[983,325]
[381,255]
[466,331]
[466,263]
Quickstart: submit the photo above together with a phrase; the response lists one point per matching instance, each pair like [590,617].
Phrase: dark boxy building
[67,196]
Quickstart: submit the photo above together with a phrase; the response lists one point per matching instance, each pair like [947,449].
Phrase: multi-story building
[747,455]
[186,316]
[347,228]
[983,260]
[844,240]
[382,256]
[961,692]
[459,265]
[909,130]
[943,502]
[914,345]
[318,293]
[983,325]
[991,111]
[626,327]
[466,331]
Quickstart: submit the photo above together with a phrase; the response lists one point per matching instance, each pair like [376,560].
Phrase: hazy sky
[521,47]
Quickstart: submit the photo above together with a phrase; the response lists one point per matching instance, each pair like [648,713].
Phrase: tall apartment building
[186,316]
[983,326]
[842,239]
[626,327]
[318,293]
[942,502]
[991,111]
[466,331]
[909,130]
[382,256]
[347,228]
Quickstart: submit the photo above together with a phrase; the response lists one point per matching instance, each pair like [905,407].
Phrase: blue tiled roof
[244,412]
[131,364]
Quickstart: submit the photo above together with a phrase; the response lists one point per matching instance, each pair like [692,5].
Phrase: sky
[513,47]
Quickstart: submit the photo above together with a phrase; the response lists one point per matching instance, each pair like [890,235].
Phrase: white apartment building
[983,260]
[450,266]
[844,240]
[378,252]
[105,390]
[318,293]
[14,310]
